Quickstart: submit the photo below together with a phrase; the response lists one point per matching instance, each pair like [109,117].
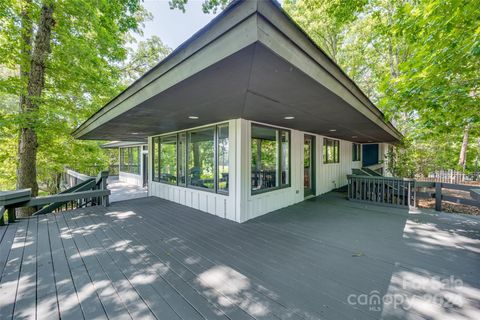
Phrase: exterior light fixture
[332,130]
[193,117]
[289,117]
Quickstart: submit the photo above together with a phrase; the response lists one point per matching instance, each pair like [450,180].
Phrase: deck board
[25,300]
[47,301]
[6,244]
[11,273]
[69,305]
[151,258]
[148,266]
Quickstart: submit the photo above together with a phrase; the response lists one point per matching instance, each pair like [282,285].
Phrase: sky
[173,26]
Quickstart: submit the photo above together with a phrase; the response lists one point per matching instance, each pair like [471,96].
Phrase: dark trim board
[238,35]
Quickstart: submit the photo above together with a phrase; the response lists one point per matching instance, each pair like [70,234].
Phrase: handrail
[380,177]
[391,191]
[398,191]
[83,186]
[41,201]
[371,172]
[92,191]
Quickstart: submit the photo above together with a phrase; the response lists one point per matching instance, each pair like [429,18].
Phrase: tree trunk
[462,159]
[27,144]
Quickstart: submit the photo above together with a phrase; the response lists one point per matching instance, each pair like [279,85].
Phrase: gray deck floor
[325,258]
[124,191]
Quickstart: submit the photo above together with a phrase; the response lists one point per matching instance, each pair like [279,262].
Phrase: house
[132,161]
[246,117]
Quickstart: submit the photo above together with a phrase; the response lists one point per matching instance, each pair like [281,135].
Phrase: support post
[438,196]
[11,214]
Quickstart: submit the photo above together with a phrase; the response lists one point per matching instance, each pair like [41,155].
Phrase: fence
[406,192]
[448,176]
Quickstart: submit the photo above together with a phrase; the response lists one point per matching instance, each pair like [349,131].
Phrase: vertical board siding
[240,205]
[217,204]
[327,176]
[130,178]
[213,203]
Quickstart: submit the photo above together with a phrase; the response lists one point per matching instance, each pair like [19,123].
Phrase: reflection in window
[331,151]
[201,160]
[356,152]
[130,160]
[168,159]
[269,159]
[285,157]
[222,158]
[155,159]
[182,157]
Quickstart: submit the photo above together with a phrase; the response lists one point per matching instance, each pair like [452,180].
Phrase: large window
[196,158]
[168,159]
[222,158]
[331,151]
[201,158]
[356,152]
[156,158]
[182,159]
[130,160]
[270,158]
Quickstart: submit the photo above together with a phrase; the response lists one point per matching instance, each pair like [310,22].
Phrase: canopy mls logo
[435,290]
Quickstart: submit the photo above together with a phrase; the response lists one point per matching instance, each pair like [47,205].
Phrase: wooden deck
[152,259]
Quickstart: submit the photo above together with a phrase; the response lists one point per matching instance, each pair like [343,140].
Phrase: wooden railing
[91,192]
[448,176]
[438,191]
[406,192]
[382,190]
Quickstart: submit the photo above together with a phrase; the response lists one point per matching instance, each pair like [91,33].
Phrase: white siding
[240,205]
[218,204]
[130,178]
[327,176]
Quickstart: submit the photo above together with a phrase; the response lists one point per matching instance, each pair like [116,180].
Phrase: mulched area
[450,207]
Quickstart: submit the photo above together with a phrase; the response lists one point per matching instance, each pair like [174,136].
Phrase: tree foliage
[419,61]
[89,63]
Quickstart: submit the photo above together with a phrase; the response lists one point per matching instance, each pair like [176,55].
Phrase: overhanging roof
[252,62]
[121,144]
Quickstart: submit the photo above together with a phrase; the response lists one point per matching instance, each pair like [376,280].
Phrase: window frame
[128,166]
[186,158]
[187,177]
[356,156]
[336,151]
[160,159]
[279,157]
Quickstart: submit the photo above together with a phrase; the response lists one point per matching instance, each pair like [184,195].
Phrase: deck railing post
[11,214]
[438,196]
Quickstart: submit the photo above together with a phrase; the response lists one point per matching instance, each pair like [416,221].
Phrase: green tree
[63,58]
[418,60]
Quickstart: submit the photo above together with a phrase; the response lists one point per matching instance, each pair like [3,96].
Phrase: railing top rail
[355,176]
[65,197]
[14,196]
[77,175]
